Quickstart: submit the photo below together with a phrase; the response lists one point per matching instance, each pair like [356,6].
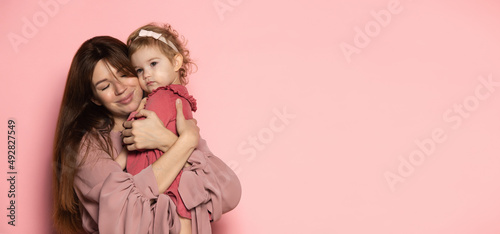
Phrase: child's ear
[178,58]
[95,101]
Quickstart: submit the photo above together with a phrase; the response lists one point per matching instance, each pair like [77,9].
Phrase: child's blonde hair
[134,43]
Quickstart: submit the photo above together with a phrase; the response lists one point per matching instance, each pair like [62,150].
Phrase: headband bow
[157,36]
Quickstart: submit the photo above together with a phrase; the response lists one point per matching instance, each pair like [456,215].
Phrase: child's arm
[141,105]
[122,158]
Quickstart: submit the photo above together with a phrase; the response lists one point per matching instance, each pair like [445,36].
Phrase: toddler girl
[162,64]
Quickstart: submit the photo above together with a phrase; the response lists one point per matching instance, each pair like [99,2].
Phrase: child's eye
[153,64]
[138,71]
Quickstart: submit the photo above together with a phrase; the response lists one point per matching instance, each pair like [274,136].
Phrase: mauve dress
[112,201]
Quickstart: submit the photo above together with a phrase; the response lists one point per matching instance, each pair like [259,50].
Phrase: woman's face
[117,92]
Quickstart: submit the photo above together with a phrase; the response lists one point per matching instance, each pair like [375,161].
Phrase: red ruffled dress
[162,102]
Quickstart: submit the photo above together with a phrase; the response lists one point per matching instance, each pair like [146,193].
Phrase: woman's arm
[133,202]
[209,182]
[174,159]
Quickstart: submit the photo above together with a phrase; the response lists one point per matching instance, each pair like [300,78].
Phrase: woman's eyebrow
[98,82]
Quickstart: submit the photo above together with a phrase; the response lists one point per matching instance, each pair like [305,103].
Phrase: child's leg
[185,225]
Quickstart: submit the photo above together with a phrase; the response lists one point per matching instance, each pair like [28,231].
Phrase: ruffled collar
[180,90]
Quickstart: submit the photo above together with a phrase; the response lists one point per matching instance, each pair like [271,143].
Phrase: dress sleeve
[117,202]
[162,102]
[208,185]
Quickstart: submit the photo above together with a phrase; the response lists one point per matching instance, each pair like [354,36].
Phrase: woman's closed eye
[104,88]
[121,75]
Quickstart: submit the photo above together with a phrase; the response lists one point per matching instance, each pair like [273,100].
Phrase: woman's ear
[95,101]
[178,58]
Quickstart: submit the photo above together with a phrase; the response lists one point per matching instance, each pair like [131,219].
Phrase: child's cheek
[143,85]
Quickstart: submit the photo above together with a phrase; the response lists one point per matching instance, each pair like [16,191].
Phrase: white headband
[157,36]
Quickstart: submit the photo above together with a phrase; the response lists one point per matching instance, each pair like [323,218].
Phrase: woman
[91,192]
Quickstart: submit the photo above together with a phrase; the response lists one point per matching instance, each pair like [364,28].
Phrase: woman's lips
[127,99]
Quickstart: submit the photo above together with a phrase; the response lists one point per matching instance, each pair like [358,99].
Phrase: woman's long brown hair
[80,118]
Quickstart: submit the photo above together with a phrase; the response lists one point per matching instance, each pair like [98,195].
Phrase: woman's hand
[148,133]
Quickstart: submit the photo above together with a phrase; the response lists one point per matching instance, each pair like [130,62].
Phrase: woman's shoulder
[95,147]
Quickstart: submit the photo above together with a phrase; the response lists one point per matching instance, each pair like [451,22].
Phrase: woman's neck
[119,124]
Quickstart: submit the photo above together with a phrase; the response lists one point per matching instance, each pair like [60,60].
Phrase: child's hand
[142,104]
[122,158]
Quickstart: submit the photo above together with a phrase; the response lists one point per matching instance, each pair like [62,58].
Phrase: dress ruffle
[180,90]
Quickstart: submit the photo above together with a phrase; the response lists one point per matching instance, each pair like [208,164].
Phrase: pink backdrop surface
[339,116]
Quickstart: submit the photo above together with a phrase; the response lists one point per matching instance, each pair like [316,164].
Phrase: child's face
[154,69]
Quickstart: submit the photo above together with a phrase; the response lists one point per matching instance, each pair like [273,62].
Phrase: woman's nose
[120,88]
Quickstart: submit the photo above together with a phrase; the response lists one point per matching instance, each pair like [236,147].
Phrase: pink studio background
[311,131]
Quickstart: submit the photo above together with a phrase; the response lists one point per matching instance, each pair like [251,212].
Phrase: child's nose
[147,73]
